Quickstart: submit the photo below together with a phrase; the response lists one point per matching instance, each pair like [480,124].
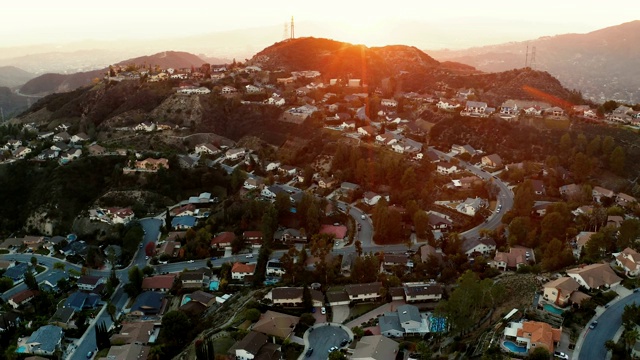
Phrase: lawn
[42,252]
[40,268]
[4,251]
[361,309]
[223,344]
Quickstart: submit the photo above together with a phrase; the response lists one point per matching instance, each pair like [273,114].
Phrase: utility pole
[292,29]
[533,58]
[526,58]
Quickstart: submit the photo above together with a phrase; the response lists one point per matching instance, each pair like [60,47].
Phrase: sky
[426,24]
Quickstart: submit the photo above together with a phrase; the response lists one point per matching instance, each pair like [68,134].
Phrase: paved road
[505,198]
[323,337]
[608,324]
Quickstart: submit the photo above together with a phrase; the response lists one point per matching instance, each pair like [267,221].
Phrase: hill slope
[335,59]
[602,64]
[50,83]
[11,76]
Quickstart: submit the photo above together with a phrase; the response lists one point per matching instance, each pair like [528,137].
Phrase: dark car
[309,352]
[344,342]
[593,324]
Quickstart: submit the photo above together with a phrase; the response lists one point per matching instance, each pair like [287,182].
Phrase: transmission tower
[533,58]
[526,57]
[292,29]
[285,34]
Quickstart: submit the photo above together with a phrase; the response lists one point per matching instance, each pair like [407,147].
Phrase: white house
[446,168]
[80,137]
[483,246]
[145,126]
[470,206]
[252,89]
[595,276]
[240,270]
[629,260]
[207,149]
[228,90]
[370,198]
[389,102]
[235,154]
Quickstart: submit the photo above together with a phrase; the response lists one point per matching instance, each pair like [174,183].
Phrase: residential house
[439,222]
[206,148]
[62,318]
[161,283]
[148,303]
[581,240]
[128,352]
[554,111]
[290,235]
[326,182]
[192,279]
[239,270]
[147,126]
[21,152]
[561,292]
[274,268]
[45,135]
[62,136]
[448,105]
[81,301]
[252,89]
[533,334]
[51,279]
[252,183]
[44,341]
[79,138]
[363,292]
[538,187]
[625,200]
[512,260]
[427,251]
[276,324]
[370,198]
[595,276]
[253,238]
[389,103]
[96,150]
[615,221]
[629,260]
[184,210]
[366,131]
[422,291]
[292,297]
[169,248]
[18,271]
[139,332]
[492,160]
[254,345]
[375,347]
[89,283]
[386,139]
[470,206]
[446,168]
[235,154]
[391,261]
[599,192]
[475,109]
[228,90]
[347,187]
[21,298]
[183,222]
[478,246]
[288,170]
[223,239]
[570,191]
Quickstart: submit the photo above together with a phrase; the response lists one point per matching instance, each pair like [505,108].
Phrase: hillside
[11,103]
[11,76]
[335,59]
[50,83]
[602,64]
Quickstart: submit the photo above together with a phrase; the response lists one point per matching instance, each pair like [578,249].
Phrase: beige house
[559,291]
[363,292]
[292,296]
[595,276]
[629,260]
[376,347]
[276,324]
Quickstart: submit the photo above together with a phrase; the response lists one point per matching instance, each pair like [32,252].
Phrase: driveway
[340,313]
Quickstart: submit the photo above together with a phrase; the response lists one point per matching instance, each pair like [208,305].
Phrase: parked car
[593,324]
[190,261]
[249,256]
[560,355]
[89,354]
[344,342]
[333,348]
[323,310]
[363,217]
[309,352]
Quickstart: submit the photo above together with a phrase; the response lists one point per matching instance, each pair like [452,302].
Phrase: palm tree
[630,337]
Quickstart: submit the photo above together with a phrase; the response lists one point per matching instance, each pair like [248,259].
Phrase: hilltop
[11,76]
[50,83]
[602,64]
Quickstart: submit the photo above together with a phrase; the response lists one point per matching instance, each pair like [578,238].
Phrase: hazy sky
[471,22]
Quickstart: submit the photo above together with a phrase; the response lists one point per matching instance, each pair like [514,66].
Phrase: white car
[323,311]
[190,261]
[249,256]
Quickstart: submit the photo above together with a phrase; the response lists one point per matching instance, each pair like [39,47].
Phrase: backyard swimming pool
[552,309]
[513,347]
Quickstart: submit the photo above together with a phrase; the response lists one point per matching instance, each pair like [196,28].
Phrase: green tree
[523,199]
[34,261]
[307,300]
[357,331]
[111,309]
[175,322]
[337,355]
[252,315]
[134,287]
[539,353]
[421,224]
[59,266]
[581,167]
[594,146]
[617,160]
[282,204]
[307,319]
[30,281]
[5,284]
[565,144]
[607,145]
[205,350]
[424,350]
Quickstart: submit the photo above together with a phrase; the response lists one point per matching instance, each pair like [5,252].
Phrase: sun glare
[363,32]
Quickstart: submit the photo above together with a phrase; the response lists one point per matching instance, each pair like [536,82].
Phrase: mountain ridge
[601,63]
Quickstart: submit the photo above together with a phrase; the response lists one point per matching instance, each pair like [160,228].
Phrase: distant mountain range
[603,64]
[11,76]
[50,83]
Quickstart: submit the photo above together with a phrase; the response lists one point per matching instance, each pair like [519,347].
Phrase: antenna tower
[526,58]
[292,30]
[533,58]
[285,34]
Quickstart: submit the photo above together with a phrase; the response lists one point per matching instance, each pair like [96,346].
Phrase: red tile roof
[158,282]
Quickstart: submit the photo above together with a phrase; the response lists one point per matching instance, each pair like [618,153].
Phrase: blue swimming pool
[186,299]
[21,349]
[513,347]
[214,285]
[437,324]
[552,309]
